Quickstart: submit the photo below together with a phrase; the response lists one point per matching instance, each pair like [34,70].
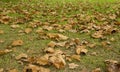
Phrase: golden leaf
[42,60]
[34,68]
[97,70]
[76,57]
[73,65]
[51,44]
[22,55]
[81,50]
[1,32]
[17,43]
[2,52]
[13,70]
[28,30]
[49,50]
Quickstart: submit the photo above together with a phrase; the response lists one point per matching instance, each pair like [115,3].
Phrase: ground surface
[28,26]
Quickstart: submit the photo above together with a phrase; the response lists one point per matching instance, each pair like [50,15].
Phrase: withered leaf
[76,57]
[1,32]
[13,70]
[42,60]
[73,65]
[28,30]
[2,52]
[22,55]
[17,43]
[15,26]
[97,70]
[58,61]
[112,66]
[34,68]
[81,50]
[51,44]
[49,50]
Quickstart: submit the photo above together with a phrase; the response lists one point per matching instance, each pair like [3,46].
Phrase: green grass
[36,45]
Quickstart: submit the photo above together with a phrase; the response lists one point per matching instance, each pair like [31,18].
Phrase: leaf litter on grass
[61,48]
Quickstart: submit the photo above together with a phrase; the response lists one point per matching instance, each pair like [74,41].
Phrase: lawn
[28,26]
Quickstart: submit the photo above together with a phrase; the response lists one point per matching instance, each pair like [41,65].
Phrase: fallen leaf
[17,43]
[28,30]
[34,68]
[58,61]
[14,26]
[73,65]
[49,50]
[81,50]
[1,70]
[22,55]
[2,52]
[98,34]
[13,70]
[42,60]
[1,32]
[112,66]
[76,57]
[51,44]
[97,70]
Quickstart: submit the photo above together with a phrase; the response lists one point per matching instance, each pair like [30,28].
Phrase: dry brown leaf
[1,32]
[48,28]
[34,68]
[2,41]
[13,70]
[97,70]
[73,65]
[76,57]
[22,55]
[17,43]
[5,19]
[49,50]
[81,50]
[51,44]
[14,26]
[58,61]
[2,52]
[28,30]
[1,70]
[42,60]
[98,34]
[56,36]
[112,66]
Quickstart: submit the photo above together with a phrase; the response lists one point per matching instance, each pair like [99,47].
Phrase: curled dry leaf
[2,41]
[22,55]
[34,68]
[14,26]
[58,61]
[2,52]
[81,50]
[13,70]
[112,66]
[73,65]
[42,60]
[17,43]
[98,34]
[28,30]
[51,44]
[57,36]
[48,28]
[1,70]
[76,57]
[1,32]
[5,19]
[97,70]
[49,50]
